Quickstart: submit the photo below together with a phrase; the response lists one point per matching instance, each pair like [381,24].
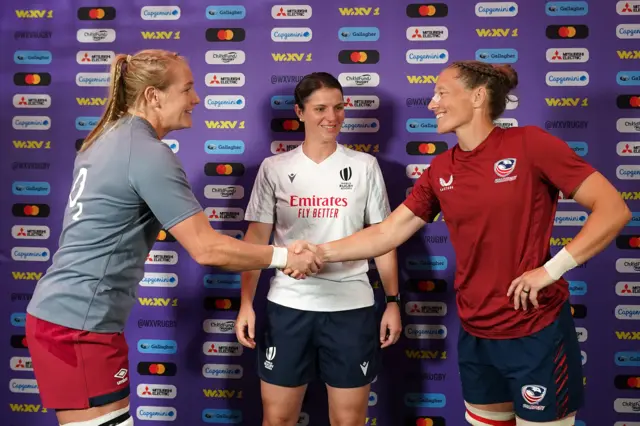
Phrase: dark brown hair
[312,82]
[130,76]
[498,79]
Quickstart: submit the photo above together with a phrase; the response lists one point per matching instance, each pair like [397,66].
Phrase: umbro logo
[292,176]
[122,375]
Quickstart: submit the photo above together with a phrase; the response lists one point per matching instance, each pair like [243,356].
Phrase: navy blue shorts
[541,373]
[340,348]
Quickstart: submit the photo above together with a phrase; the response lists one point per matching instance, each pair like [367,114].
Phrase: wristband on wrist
[279,257]
[560,263]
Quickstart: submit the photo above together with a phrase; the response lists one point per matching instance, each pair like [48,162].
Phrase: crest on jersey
[345,176]
[533,394]
[504,167]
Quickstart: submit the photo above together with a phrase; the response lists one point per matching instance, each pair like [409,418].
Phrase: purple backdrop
[575,63]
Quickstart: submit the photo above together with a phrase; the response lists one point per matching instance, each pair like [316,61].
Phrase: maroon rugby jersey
[499,203]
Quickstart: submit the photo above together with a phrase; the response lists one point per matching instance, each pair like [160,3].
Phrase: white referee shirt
[320,203]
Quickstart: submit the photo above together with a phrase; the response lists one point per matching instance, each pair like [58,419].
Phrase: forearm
[602,226]
[370,242]
[387,266]
[248,285]
[231,254]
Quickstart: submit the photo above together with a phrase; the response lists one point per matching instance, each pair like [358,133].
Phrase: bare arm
[387,265]
[609,215]
[375,240]
[257,233]
[208,247]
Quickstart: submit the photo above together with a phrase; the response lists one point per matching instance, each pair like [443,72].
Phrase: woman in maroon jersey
[498,191]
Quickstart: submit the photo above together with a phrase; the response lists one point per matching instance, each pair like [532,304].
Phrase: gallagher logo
[433,10]
[298,11]
[160,13]
[567,55]
[32,79]
[628,101]
[628,78]
[567,31]
[225,34]
[287,125]
[426,148]
[359,34]
[28,57]
[157,369]
[224,169]
[151,346]
[225,12]
[502,56]
[567,8]
[30,210]
[628,242]
[221,303]
[24,100]
[628,8]
[224,147]
[97,14]
[282,102]
[358,56]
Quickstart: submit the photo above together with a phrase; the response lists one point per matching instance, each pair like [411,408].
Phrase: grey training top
[126,188]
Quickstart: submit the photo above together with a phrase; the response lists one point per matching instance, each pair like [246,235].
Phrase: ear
[479,96]
[151,97]
[299,112]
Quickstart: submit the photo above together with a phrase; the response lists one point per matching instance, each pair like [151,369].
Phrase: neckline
[494,135]
[326,160]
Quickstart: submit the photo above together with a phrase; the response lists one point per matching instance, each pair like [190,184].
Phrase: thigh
[281,405]
[348,345]
[348,406]
[77,369]
[546,372]
[286,356]
[482,383]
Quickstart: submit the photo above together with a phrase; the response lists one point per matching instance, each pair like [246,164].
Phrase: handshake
[303,259]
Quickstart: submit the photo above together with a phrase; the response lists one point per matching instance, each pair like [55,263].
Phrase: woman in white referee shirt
[325,325]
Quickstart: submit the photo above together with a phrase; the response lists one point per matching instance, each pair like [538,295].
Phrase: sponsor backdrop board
[578,65]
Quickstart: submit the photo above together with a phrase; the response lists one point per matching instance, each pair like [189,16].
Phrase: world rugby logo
[504,167]
[533,394]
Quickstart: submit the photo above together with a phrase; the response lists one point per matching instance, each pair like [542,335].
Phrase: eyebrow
[339,103]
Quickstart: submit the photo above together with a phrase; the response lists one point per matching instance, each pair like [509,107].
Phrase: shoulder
[526,134]
[359,157]
[276,161]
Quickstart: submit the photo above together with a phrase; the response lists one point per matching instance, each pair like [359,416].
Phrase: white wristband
[279,258]
[560,263]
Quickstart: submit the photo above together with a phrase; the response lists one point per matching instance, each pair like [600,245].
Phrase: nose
[331,114]
[433,104]
[196,99]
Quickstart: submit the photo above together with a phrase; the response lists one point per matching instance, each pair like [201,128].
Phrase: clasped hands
[303,259]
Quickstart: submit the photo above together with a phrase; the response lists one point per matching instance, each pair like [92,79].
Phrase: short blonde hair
[130,76]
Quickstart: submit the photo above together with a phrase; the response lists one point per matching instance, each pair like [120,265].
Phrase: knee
[279,419]
[347,418]
[477,417]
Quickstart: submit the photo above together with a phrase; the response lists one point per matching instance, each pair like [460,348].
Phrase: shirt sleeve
[262,203]
[556,162]
[422,200]
[157,176]
[378,207]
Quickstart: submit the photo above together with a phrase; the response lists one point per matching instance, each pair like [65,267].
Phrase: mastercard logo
[157,369]
[286,125]
[567,31]
[224,169]
[19,342]
[96,13]
[433,10]
[30,210]
[225,34]
[32,79]
[221,303]
[628,242]
[627,382]
[578,311]
[427,285]
[426,148]
[358,56]
[628,101]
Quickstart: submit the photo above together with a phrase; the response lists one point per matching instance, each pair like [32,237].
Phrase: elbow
[210,256]
[625,214]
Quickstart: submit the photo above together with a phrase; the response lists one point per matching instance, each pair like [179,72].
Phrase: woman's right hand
[245,326]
